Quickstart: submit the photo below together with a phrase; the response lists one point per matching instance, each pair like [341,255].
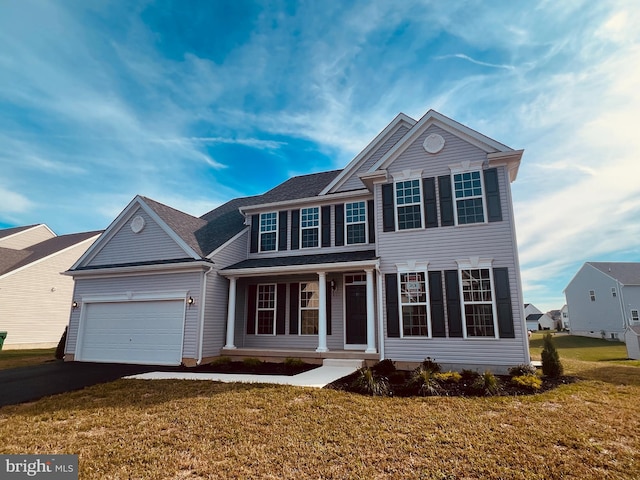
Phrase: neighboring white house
[604,299]
[536,320]
[34,296]
[407,252]
[564,317]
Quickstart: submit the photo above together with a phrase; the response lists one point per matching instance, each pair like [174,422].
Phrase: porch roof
[303,263]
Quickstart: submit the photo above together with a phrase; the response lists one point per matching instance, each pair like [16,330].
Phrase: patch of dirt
[263,368]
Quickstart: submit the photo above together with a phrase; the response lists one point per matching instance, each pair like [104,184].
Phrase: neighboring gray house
[408,252]
[34,297]
[604,299]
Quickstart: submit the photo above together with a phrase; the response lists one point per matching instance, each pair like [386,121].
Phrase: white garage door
[133,332]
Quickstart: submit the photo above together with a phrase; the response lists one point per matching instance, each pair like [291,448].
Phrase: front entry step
[342,362]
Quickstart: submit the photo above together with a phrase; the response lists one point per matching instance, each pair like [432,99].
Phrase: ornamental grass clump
[431,365]
[252,362]
[424,382]
[522,369]
[486,384]
[368,383]
[551,366]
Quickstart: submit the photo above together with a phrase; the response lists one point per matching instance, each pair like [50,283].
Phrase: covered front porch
[312,307]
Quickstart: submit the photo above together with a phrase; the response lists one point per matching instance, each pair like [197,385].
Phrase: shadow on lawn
[613,374]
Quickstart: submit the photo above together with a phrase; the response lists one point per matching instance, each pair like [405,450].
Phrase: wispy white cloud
[472,60]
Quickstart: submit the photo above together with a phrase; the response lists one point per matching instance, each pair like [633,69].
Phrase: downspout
[203,297]
[625,322]
[379,312]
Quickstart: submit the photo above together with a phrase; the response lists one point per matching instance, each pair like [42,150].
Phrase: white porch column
[322,313]
[231,313]
[371,329]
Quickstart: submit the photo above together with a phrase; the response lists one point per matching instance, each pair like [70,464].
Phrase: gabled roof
[5,232]
[534,316]
[627,273]
[11,260]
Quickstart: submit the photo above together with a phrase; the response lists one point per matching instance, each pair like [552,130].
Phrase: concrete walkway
[330,371]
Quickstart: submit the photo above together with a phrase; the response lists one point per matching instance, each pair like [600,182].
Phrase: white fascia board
[308,268]
[400,120]
[434,118]
[370,179]
[510,159]
[156,269]
[54,254]
[324,200]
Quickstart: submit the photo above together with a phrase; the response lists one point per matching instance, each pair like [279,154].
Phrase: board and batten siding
[26,238]
[354,182]
[157,283]
[441,247]
[35,301]
[217,297]
[152,243]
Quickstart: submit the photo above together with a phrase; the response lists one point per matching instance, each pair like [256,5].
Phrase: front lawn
[25,358]
[583,348]
[193,429]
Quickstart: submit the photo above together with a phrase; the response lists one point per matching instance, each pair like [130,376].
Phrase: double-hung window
[477,298]
[356,220]
[635,316]
[309,304]
[467,188]
[268,231]
[413,304]
[408,204]
[310,227]
[266,310]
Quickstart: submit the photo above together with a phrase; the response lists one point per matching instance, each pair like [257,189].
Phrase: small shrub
[385,367]
[447,377]
[61,344]
[468,376]
[252,362]
[530,382]
[221,361]
[522,369]
[370,384]
[551,366]
[431,365]
[293,362]
[486,384]
[424,381]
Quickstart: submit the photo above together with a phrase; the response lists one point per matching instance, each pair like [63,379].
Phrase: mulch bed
[263,368]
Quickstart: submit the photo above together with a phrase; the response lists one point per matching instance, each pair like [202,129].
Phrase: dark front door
[356,314]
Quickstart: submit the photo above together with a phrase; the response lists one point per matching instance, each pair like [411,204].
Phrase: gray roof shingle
[317,259]
[627,273]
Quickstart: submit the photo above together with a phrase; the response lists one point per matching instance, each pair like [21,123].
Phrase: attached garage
[133,331]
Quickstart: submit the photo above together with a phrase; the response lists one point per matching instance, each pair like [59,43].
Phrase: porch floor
[309,356]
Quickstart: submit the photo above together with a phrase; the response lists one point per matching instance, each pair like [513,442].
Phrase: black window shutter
[294,293]
[437,305]
[503,302]
[326,225]
[453,303]
[281,308]
[388,217]
[282,230]
[339,220]
[430,207]
[295,229]
[371,219]
[328,308]
[446,201]
[251,309]
[255,229]
[393,319]
[492,194]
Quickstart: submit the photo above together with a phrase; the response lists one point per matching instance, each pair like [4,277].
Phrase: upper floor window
[635,316]
[356,219]
[468,195]
[310,226]
[413,304]
[592,295]
[309,305]
[408,204]
[266,310]
[614,293]
[477,299]
[268,231]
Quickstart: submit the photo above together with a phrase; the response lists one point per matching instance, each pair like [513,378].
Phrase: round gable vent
[137,224]
[433,143]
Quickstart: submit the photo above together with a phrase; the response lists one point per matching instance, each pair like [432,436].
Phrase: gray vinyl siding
[170,282]
[216,307]
[441,247]
[354,183]
[335,341]
[152,243]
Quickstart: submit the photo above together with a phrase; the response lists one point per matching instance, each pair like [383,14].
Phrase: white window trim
[366,223]
[310,228]
[476,263]
[301,309]
[414,266]
[258,309]
[456,200]
[260,232]
[405,176]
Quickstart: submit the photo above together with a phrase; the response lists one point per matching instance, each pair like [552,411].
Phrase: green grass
[24,358]
[583,348]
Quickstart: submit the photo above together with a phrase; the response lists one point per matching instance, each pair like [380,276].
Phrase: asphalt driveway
[24,384]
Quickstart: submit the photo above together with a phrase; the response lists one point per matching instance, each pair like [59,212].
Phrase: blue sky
[193,103]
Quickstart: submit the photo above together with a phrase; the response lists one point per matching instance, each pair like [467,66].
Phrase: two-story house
[407,252]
